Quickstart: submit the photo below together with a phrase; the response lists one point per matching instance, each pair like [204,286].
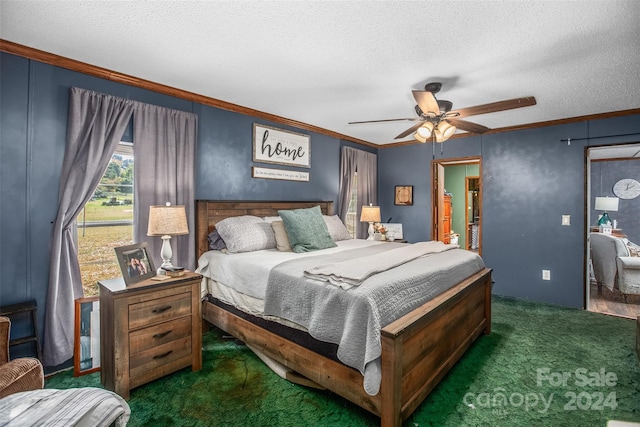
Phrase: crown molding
[92,70]
[82,67]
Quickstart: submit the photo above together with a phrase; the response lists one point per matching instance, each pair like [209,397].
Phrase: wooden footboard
[417,350]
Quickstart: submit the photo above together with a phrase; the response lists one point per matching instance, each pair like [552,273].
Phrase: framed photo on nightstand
[135,263]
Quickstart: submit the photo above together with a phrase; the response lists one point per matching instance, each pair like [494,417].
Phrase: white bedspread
[248,272]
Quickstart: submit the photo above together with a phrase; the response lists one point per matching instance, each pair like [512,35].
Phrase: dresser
[148,330]
[446,219]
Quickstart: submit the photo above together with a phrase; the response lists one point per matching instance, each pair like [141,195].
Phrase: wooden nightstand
[148,330]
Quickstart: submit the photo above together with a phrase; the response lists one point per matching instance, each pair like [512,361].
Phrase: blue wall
[530,179]
[33,120]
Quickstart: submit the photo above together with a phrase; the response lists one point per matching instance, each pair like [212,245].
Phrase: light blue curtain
[353,160]
[95,126]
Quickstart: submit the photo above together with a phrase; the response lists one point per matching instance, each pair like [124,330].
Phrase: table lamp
[167,221]
[370,214]
[606,204]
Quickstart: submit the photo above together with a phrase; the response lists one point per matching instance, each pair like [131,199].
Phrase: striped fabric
[78,407]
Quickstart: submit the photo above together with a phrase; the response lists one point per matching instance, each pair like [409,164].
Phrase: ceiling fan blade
[468,126]
[493,107]
[409,131]
[426,101]
[386,120]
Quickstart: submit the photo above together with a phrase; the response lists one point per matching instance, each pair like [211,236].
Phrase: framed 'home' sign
[273,145]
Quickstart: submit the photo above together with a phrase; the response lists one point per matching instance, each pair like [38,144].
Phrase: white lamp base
[370,231]
[165,253]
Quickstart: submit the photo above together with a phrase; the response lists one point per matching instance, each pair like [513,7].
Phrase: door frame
[437,194]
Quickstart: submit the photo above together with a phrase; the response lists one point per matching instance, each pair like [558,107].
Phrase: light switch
[566,219]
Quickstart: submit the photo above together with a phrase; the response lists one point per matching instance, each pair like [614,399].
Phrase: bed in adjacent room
[378,323]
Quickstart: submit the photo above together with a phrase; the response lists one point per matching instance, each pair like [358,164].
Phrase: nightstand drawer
[158,310]
[155,357]
[163,333]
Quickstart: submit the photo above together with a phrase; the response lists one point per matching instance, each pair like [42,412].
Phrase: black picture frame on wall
[403,195]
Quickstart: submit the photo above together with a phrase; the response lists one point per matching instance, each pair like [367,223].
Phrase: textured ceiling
[327,63]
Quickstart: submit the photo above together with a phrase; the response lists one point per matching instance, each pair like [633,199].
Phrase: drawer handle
[160,356]
[163,334]
[161,309]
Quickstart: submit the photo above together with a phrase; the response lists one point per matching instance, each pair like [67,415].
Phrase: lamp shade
[370,214]
[447,130]
[167,221]
[444,131]
[425,130]
[607,204]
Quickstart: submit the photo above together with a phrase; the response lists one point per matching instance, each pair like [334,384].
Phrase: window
[352,212]
[106,221]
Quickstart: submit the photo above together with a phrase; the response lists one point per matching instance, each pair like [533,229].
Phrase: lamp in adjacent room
[606,204]
[370,214]
[167,221]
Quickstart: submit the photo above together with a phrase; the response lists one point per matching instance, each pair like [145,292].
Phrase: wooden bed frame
[417,350]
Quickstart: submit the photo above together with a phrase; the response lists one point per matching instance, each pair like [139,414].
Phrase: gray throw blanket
[347,274]
[80,407]
[353,318]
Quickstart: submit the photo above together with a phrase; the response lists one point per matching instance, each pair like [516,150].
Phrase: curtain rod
[598,137]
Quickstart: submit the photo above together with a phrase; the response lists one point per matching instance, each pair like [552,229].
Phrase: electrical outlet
[546,274]
[566,219]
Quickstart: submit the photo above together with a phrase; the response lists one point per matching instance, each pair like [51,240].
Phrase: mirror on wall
[86,352]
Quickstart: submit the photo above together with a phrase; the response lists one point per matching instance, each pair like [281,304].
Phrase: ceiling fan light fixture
[423,133]
[446,130]
[425,130]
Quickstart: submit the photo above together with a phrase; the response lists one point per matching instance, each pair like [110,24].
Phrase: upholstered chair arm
[629,262]
[5,327]
[22,374]
[629,274]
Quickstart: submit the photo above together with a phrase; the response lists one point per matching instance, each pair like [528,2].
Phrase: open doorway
[457,202]
[611,172]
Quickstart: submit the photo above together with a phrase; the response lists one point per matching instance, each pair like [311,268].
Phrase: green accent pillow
[306,229]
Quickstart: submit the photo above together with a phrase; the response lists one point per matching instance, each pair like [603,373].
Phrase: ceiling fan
[436,119]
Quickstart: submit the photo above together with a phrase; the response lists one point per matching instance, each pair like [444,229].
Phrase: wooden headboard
[210,212]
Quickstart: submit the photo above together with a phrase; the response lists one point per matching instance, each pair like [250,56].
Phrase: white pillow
[337,230]
[246,233]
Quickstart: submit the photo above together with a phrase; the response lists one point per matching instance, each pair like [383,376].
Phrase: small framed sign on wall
[273,145]
[269,173]
[404,195]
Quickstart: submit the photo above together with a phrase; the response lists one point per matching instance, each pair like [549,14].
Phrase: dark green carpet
[494,384]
